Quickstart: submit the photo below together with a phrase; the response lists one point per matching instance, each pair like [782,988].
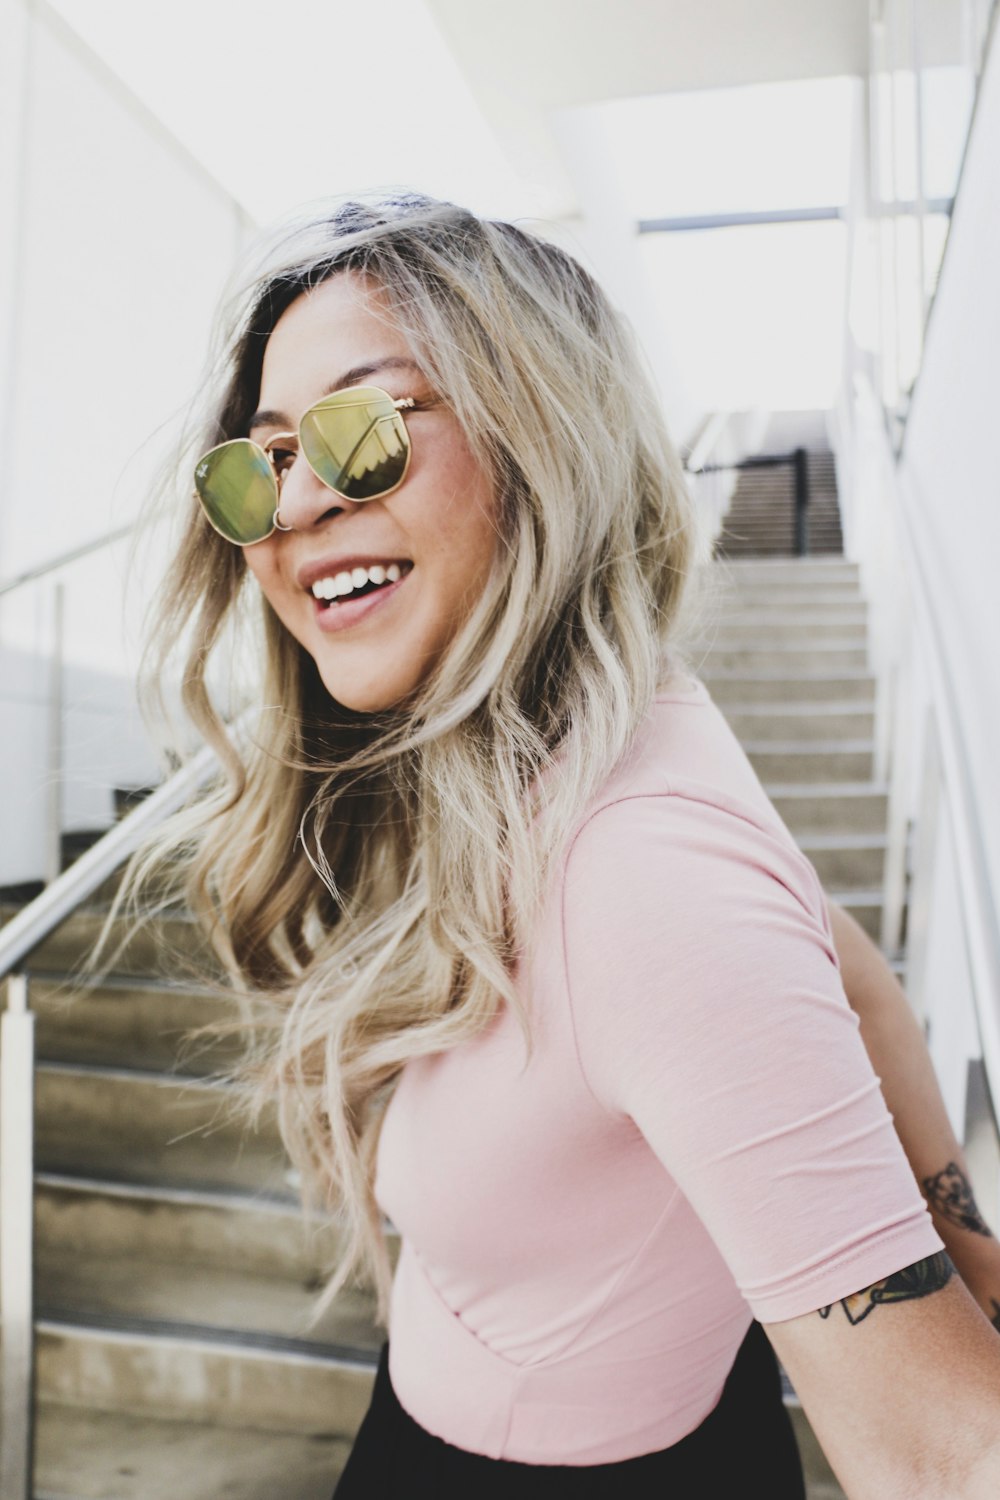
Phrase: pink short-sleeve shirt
[697,1138]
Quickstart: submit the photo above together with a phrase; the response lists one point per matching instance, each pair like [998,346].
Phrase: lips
[338,614]
[345,562]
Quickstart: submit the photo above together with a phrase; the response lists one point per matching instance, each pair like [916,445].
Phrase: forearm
[898,1052]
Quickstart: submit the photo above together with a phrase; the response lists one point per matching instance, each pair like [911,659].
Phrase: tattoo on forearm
[950,1194]
[918,1280]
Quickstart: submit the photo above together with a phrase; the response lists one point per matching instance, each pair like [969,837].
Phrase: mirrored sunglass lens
[359,445]
[236,486]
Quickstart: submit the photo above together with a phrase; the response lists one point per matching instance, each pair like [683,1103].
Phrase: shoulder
[685,816]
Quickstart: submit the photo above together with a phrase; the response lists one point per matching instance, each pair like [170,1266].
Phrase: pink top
[698,1137]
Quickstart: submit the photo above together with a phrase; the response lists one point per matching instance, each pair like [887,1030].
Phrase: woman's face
[438,529]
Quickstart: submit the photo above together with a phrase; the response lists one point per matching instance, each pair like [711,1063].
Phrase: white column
[16,23]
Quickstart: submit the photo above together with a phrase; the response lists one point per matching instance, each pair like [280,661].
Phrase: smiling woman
[537,968]
[431,541]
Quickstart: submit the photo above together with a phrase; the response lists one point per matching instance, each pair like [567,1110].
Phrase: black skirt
[746,1445]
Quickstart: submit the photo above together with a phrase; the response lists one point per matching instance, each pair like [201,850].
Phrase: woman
[549,983]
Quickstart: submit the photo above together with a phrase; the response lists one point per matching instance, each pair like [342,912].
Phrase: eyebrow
[354,376]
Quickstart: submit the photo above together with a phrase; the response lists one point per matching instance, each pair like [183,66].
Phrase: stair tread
[183,1299]
[826,789]
[800,708]
[236,1198]
[87,1454]
[808,747]
[763,674]
[820,840]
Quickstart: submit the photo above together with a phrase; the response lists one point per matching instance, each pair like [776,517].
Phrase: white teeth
[343,584]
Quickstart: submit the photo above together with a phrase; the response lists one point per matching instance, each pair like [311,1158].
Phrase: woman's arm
[899,1055]
[901,1383]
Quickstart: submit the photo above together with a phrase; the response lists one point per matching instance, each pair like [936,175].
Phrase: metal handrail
[17,1068]
[798,460]
[31,575]
[42,915]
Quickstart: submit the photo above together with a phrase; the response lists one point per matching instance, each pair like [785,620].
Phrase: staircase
[174,1273]
[760,521]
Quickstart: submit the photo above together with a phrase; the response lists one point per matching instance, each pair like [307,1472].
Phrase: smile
[370,590]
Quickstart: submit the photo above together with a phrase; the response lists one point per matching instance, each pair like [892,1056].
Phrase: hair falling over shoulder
[368,880]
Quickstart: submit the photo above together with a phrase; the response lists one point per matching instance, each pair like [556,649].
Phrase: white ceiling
[528,60]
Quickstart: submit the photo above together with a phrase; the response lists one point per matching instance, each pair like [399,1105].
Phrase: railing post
[54,809]
[17,1360]
[801,462]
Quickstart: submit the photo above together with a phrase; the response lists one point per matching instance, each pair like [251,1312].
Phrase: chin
[371,696]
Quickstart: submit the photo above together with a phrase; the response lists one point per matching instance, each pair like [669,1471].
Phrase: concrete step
[84,1453]
[796,611]
[792,595]
[846,861]
[837,807]
[110,1251]
[280,1385]
[811,761]
[728,633]
[108,1289]
[764,529]
[734,687]
[244,1230]
[131,1022]
[825,621]
[168,944]
[783,660]
[800,570]
[800,721]
[756,513]
[122,1125]
[864,906]
[729,551]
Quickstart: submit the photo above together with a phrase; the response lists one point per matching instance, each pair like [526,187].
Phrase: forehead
[338,334]
[340,324]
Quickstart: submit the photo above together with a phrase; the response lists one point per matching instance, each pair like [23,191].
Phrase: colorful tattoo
[919,1280]
[950,1194]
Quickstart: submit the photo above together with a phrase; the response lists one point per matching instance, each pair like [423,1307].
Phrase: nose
[304,500]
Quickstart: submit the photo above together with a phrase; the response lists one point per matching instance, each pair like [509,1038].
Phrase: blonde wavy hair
[368,879]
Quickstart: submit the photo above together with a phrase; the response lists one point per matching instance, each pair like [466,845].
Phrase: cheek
[262,564]
[464,526]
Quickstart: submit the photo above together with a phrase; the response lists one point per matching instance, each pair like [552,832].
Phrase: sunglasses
[354,440]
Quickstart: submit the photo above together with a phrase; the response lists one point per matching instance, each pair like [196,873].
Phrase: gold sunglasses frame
[403,404]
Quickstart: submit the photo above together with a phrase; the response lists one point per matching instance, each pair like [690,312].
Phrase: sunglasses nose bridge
[303,497]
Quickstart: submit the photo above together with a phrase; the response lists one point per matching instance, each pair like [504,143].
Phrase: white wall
[118,244]
[926,530]
[950,462]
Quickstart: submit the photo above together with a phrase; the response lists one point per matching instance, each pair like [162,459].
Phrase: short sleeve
[707,1005]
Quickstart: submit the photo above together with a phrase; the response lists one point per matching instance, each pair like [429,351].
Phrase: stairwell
[174,1274]
[760,521]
